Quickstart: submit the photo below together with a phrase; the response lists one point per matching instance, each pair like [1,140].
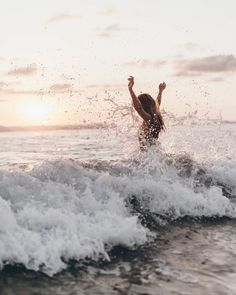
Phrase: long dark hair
[149,106]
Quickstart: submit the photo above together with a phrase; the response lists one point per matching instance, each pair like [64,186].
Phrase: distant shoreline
[50,127]
[71,127]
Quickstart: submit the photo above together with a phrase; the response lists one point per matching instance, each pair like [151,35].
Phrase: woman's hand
[131,82]
[162,86]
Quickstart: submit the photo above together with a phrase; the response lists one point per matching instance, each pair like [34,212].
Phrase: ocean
[85,212]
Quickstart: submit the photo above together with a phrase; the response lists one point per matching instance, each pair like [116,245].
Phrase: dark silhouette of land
[77,127]
[51,127]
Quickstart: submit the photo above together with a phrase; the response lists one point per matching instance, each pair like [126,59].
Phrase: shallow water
[83,214]
[196,258]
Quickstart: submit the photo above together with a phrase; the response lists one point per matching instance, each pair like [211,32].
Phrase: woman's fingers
[163,85]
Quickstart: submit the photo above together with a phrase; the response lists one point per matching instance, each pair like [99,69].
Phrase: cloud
[143,63]
[12,91]
[183,73]
[51,90]
[61,87]
[14,87]
[217,79]
[3,84]
[209,64]
[24,71]
[109,30]
[190,46]
[63,17]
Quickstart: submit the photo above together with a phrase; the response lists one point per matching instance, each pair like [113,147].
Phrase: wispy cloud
[51,90]
[183,73]
[13,88]
[110,30]
[217,79]
[24,71]
[209,64]
[191,46]
[61,87]
[143,63]
[63,17]
[12,91]
[3,84]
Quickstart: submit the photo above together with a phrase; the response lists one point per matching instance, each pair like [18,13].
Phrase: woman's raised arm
[136,103]
[162,87]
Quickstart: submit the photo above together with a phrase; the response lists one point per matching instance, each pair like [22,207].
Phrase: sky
[67,62]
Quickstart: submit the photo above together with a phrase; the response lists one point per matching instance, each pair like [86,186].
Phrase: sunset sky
[62,61]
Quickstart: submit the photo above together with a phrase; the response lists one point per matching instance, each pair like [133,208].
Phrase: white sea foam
[63,209]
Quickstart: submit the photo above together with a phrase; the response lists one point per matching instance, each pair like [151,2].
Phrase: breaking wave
[65,209]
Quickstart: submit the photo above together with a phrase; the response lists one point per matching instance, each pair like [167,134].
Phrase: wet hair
[149,106]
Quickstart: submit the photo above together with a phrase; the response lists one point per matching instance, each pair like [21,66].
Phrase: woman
[149,111]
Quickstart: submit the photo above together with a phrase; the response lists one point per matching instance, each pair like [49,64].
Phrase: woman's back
[149,131]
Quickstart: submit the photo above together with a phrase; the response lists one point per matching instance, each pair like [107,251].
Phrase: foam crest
[48,220]
[62,210]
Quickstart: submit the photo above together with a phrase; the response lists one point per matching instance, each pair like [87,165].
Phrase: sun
[36,112]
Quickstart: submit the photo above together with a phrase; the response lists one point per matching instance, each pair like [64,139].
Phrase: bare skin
[162,87]
[136,103]
[152,119]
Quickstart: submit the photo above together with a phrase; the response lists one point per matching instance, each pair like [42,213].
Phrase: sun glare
[36,112]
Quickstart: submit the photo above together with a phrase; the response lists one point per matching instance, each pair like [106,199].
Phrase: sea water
[85,212]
